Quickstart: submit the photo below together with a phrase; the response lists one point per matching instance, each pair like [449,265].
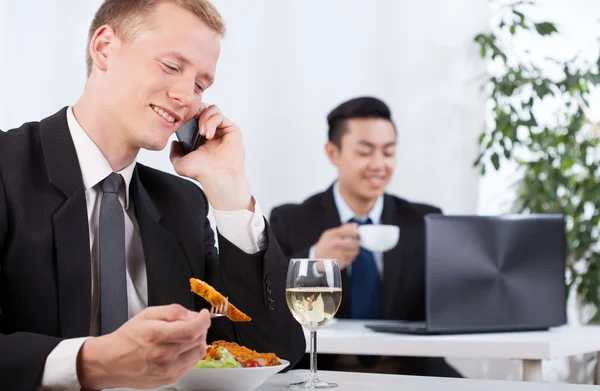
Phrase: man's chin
[155,145]
[374,193]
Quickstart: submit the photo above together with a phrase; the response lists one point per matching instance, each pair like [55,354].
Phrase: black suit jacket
[298,227]
[45,268]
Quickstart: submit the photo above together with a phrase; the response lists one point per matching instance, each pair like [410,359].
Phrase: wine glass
[313,292]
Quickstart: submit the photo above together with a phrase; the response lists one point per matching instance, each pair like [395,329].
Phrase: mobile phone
[189,136]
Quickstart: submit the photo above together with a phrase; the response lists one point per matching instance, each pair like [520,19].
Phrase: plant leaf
[545,28]
[519,14]
[482,137]
[495,160]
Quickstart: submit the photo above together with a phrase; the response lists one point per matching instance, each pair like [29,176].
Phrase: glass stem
[313,357]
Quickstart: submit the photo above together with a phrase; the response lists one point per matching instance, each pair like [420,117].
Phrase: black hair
[363,107]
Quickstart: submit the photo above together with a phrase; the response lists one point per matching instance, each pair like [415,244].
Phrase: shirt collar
[93,164]
[346,212]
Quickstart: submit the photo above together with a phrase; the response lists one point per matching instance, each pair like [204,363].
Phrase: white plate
[227,379]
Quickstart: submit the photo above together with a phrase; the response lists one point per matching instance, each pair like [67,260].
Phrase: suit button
[268,279]
[272,305]
[269,290]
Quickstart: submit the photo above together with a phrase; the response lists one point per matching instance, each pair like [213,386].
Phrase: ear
[333,153]
[102,43]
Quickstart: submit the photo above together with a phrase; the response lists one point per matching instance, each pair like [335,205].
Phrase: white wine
[313,307]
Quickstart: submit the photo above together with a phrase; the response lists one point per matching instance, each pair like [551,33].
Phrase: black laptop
[491,274]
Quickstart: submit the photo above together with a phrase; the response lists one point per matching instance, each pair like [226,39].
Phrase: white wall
[284,65]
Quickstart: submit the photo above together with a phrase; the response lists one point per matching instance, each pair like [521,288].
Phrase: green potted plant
[557,154]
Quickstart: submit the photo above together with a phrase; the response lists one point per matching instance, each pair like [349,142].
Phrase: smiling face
[152,83]
[366,158]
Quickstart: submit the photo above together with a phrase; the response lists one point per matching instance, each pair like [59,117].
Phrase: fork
[219,310]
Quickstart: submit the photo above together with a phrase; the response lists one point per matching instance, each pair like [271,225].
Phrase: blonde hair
[126,17]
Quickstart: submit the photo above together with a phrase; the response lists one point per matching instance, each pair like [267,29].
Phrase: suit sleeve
[3,222]
[255,283]
[22,355]
[281,233]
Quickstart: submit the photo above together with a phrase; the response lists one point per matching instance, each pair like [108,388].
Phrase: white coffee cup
[378,237]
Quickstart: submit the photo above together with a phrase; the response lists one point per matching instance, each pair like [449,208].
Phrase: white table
[345,336]
[348,381]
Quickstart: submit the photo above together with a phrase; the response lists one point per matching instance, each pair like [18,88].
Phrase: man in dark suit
[94,244]
[362,146]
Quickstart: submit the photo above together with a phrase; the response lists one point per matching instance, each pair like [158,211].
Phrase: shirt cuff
[242,228]
[60,370]
[311,252]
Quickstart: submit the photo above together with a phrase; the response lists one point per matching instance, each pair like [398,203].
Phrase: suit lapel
[71,228]
[392,259]
[167,268]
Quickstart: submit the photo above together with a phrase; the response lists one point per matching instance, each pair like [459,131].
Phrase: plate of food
[227,365]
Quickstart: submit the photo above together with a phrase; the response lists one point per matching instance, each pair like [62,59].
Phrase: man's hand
[153,349]
[218,164]
[340,243]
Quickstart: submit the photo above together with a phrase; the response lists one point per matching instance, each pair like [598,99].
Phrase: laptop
[491,274]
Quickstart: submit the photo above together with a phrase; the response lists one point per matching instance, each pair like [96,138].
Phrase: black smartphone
[189,136]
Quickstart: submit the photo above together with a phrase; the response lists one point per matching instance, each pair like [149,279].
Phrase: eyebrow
[371,145]
[209,78]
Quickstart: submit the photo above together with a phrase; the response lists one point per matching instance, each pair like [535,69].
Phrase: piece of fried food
[209,294]
[241,353]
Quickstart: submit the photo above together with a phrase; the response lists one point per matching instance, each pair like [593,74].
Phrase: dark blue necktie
[365,287]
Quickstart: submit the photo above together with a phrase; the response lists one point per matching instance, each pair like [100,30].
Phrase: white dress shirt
[242,228]
[346,214]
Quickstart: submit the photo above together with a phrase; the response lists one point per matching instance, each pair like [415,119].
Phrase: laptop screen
[495,273]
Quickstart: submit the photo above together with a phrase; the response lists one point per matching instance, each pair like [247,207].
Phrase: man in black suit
[94,244]
[362,146]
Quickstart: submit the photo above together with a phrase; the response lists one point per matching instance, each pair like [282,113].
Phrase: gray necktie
[113,282]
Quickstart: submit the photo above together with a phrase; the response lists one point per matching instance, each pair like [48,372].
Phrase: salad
[221,354]
[226,360]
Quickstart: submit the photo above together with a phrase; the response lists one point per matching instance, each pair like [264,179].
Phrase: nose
[182,91]
[377,161]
